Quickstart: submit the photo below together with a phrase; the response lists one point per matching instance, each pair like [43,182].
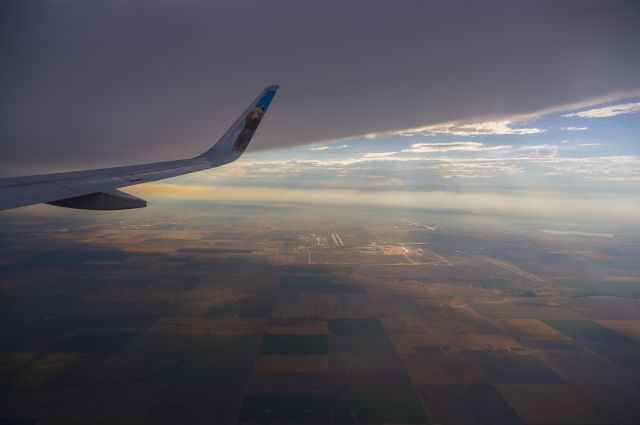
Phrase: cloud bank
[471,129]
[607,111]
[88,84]
[521,204]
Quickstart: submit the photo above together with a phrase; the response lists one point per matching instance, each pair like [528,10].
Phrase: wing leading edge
[97,189]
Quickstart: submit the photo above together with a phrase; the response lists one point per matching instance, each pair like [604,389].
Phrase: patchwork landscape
[254,314]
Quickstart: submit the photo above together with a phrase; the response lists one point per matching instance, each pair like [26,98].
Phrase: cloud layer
[453,146]
[87,84]
[525,204]
[471,129]
[608,111]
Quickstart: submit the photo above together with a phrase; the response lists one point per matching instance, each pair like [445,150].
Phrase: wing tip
[237,137]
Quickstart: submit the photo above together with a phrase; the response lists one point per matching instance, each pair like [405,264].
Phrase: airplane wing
[98,189]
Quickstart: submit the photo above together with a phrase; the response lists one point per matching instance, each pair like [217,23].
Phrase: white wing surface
[98,189]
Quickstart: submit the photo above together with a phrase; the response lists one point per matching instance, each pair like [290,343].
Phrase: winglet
[237,137]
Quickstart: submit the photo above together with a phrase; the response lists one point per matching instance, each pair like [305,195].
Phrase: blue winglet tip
[267,97]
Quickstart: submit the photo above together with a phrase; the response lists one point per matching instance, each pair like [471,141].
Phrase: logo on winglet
[252,120]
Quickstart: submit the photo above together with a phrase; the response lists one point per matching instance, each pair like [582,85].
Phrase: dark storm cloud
[98,83]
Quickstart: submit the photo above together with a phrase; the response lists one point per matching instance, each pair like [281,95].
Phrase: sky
[580,163]
[105,83]
[383,98]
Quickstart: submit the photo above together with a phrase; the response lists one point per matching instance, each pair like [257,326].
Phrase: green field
[65,258]
[285,409]
[613,289]
[195,369]
[588,331]
[623,262]
[196,345]
[321,408]
[389,409]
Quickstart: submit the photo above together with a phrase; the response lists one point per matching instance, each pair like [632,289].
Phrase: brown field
[488,343]
[408,343]
[130,295]
[462,308]
[12,361]
[402,324]
[508,310]
[289,383]
[474,404]
[442,369]
[39,372]
[12,283]
[364,345]
[312,308]
[601,382]
[449,335]
[357,305]
[320,301]
[210,325]
[630,328]
[204,297]
[606,308]
[361,363]
[550,404]
[147,260]
[310,327]
[288,364]
[417,288]
[531,329]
